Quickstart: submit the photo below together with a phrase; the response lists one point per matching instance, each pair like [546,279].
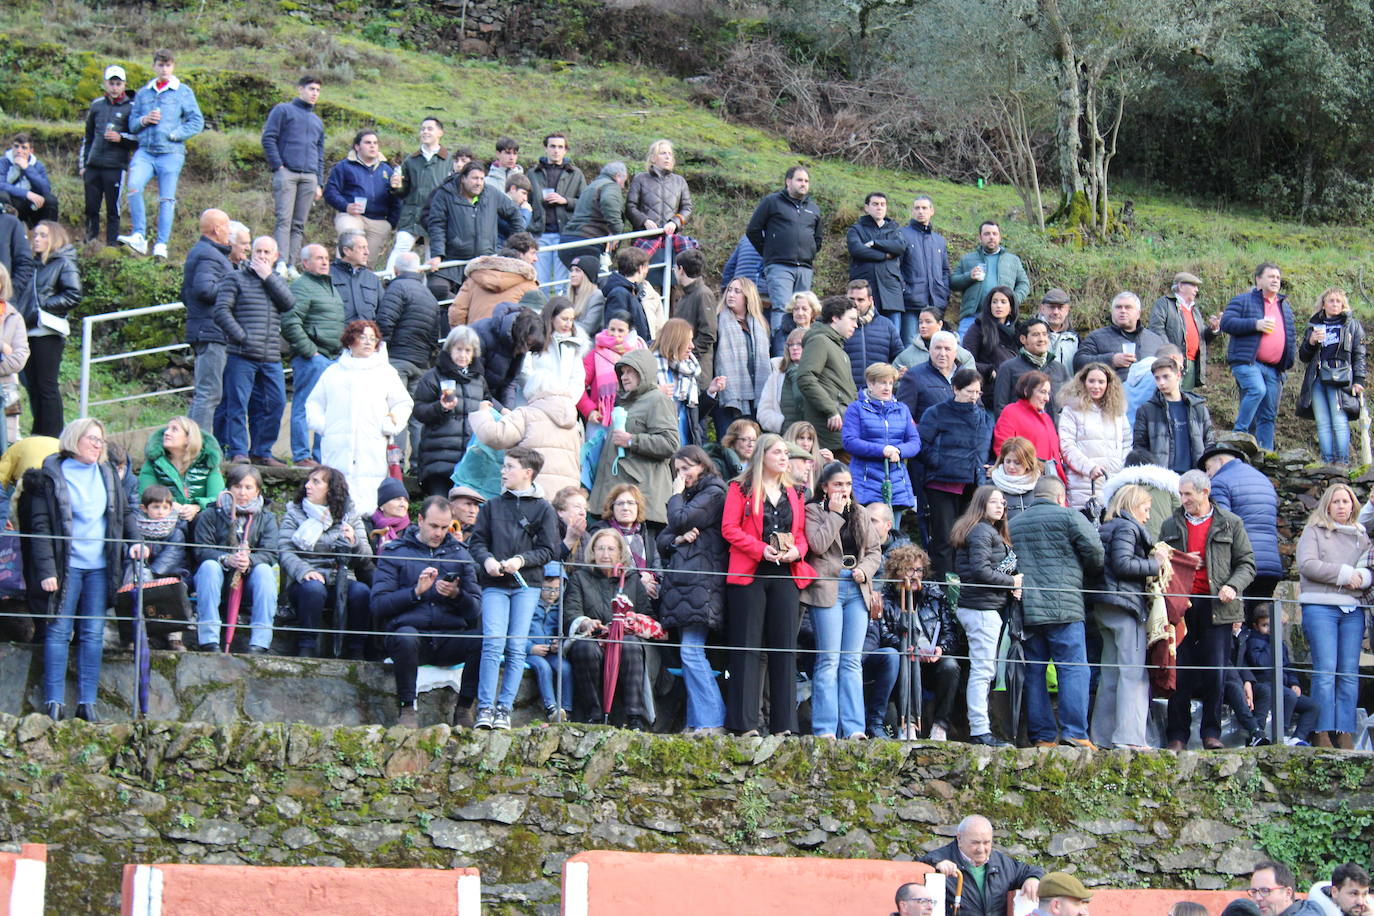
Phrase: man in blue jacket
[24,183]
[786,228]
[1239,487]
[207,263]
[1262,348]
[874,340]
[925,273]
[293,142]
[165,115]
[359,188]
[425,594]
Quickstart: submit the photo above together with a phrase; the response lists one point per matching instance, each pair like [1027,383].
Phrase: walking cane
[958,893]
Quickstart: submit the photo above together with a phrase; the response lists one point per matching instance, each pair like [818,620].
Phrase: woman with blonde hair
[741,352]
[14,355]
[1094,434]
[1014,473]
[1332,577]
[657,197]
[52,291]
[187,461]
[1333,348]
[780,405]
[802,311]
[1121,610]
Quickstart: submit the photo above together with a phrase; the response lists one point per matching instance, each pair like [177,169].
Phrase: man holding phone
[425,594]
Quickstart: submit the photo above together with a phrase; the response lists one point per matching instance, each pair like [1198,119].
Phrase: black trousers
[409,649]
[102,184]
[944,508]
[1206,644]
[587,657]
[40,380]
[762,614]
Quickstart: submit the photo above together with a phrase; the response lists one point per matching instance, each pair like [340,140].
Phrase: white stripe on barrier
[469,895]
[26,894]
[147,891]
[576,881]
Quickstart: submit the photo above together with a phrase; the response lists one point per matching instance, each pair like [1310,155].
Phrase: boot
[86,712]
[1345,741]
[53,711]
[408,717]
[463,714]
[1320,739]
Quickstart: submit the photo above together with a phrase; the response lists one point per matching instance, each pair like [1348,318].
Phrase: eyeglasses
[746,438]
[625,504]
[371,337]
[1261,891]
[93,439]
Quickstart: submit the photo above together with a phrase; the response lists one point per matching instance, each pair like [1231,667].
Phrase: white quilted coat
[1091,440]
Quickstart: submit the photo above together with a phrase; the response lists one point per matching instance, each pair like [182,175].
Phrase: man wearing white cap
[105,152]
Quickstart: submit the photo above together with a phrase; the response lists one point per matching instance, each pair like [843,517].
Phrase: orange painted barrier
[1157,902]
[610,883]
[23,879]
[233,890]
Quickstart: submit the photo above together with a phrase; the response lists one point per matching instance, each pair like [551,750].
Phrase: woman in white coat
[1094,434]
[358,403]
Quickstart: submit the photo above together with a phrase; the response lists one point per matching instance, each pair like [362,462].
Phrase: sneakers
[553,715]
[501,720]
[408,717]
[1259,739]
[937,733]
[160,251]
[486,718]
[137,242]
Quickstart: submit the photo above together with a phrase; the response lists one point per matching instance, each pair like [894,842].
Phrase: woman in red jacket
[765,526]
[1026,417]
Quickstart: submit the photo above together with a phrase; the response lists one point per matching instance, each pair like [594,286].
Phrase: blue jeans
[542,666]
[305,373]
[85,597]
[1063,644]
[881,670]
[549,269]
[705,706]
[506,616]
[1259,386]
[1334,635]
[908,325]
[209,384]
[264,418]
[1333,426]
[261,588]
[837,697]
[964,325]
[782,281]
[166,167]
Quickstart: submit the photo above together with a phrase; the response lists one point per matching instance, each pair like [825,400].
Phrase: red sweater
[1197,543]
[743,530]
[1020,419]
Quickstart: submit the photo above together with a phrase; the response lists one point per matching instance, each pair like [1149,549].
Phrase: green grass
[615,112]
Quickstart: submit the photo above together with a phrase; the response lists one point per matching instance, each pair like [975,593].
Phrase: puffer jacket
[1229,557]
[825,381]
[875,340]
[977,562]
[14,333]
[1325,560]
[651,420]
[1127,564]
[1154,430]
[870,426]
[549,425]
[876,254]
[14,250]
[200,485]
[1104,343]
[659,196]
[1247,491]
[166,556]
[359,289]
[350,179]
[623,296]
[54,287]
[1058,550]
[1089,440]
[447,432]
[421,177]
[925,273]
[510,526]
[1238,322]
[590,592]
[181,117]
[599,209]
[315,323]
[460,229]
[399,565]
[296,562]
[825,552]
[248,310]
[214,535]
[47,554]
[692,593]
[918,351]
[498,362]
[956,440]
[490,280]
[411,321]
[922,387]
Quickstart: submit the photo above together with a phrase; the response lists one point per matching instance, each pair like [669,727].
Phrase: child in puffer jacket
[161,541]
[544,648]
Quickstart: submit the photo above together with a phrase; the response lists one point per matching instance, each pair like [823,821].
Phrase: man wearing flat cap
[1177,318]
[1054,308]
[988,874]
[1061,894]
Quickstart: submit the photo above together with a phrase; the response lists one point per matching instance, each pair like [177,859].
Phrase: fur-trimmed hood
[1150,475]
[486,272]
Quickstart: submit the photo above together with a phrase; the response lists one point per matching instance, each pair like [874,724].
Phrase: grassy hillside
[242,58]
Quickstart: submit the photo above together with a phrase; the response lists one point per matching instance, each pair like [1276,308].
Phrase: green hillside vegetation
[241,59]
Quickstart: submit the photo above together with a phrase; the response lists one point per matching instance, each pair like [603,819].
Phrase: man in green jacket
[1057,550]
[824,378]
[984,268]
[1218,538]
[418,177]
[312,330]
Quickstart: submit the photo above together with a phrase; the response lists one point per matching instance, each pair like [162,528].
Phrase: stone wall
[517,804]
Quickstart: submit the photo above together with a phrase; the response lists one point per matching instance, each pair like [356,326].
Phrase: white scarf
[317,521]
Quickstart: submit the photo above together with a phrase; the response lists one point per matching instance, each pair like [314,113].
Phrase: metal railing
[89,322]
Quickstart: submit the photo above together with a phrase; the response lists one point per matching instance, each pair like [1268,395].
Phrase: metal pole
[667,272]
[1276,650]
[558,641]
[85,365]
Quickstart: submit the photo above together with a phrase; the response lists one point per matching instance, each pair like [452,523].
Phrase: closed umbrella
[231,609]
[621,608]
[142,657]
[340,604]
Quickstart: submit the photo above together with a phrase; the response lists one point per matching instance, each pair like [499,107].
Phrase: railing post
[667,271]
[1276,633]
[85,365]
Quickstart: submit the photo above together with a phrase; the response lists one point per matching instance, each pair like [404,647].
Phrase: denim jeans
[837,697]
[309,598]
[292,195]
[881,670]
[1259,386]
[1333,426]
[166,167]
[964,325]
[1334,635]
[783,280]
[506,616]
[264,417]
[549,268]
[209,384]
[1063,644]
[304,374]
[542,666]
[85,597]
[908,325]
[261,588]
[705,706]
[982,628]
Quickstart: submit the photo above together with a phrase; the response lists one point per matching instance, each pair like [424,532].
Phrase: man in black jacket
[1173,425]
[412,325]
[353,280]
[463,217]
[15,253]
[1125,341]
[787,228]
[877,253]
[425,594]
[105,152]
[989,874]
[697,306]
[248,310]
[557,184]
[207,264]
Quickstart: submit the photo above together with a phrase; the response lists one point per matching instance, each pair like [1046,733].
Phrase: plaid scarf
[743,362]
[682,375]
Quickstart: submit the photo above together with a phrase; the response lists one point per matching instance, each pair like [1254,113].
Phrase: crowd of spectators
[746,470]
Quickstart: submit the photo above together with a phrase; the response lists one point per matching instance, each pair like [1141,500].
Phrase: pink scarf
[602,382]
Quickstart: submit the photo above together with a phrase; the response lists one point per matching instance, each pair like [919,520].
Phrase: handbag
[1351,404]
[1334,372]
[781,541]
